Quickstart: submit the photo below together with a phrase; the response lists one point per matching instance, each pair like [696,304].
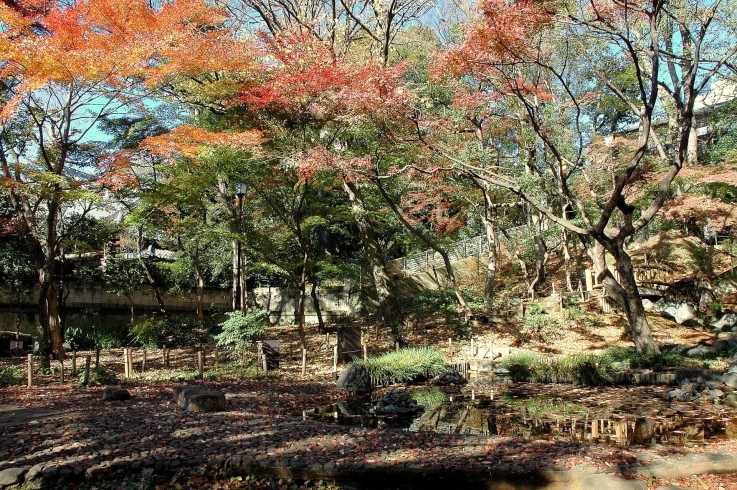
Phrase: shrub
[648,360]
[240,330]
[149,333]
[99,376]
[539,325]
[11,375]
[429,397]
[519,365]
[406,365]
[574,309]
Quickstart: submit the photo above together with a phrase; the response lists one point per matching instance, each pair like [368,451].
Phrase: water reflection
[539,418]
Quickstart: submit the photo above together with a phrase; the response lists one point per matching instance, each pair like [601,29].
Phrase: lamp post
[238,296]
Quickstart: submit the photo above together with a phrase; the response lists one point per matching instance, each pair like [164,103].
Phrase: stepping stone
[112,394]
[199,398]
[11,476]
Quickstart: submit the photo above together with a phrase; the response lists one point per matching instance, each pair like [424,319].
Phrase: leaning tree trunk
[491,262]
[388,308]
[624,291]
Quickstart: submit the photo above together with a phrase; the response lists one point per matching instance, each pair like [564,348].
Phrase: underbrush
[589,369]
[12,376]
[406,365]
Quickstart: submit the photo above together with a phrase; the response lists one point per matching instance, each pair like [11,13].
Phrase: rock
[730,379]
[35,472]
[730,337]
[682,348]
[682,313]
[112,393]
[650,306]
[11,476]
[199,398]
[356,379]
[731,399]
[701,351]
[448,378]
[726,322]
[721,346]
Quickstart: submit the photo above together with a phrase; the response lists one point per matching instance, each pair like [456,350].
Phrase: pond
[616,416]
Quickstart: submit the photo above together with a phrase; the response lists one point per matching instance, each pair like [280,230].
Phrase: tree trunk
[50,338]
[316,302]
[300,313]
[692,156]
[388,309]
[491,266]
[541,251]
[624,292]
[235,245]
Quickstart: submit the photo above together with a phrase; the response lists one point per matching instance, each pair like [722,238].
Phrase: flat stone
[610,482]
[701,351]
[199,398]
[112,393]
[11,476]
[35,472]
[730,379]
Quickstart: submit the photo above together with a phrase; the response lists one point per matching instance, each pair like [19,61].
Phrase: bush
[648,360]
[149,333]
[11,376]
[99,376]
[519,365]
[406,365]
[539,325]
[240,330]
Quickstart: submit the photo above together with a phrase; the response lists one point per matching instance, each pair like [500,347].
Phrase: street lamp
[238,299]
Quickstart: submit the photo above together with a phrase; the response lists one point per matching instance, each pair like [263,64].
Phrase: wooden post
[126,373]
[74,363]
[304,362]
[396,346]
[589,278]
[97,358]
[473,353]
[201,365]
[130,363]
[450,347]
[30,370]
[61,368]
[143,362]
[86,378]
[335,363]
[217,358]
[265,365]
[365,352]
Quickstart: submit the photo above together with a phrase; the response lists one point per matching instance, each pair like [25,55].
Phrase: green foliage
[716,308]
[100,376]
[11,376]
[656,362]
[406,365]
[574,309]
[586,369]
[111,340]
[539,325]
[428,397]
[240,330]
[149,333]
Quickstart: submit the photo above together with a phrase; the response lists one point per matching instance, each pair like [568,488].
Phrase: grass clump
[429,397]
[406,365]
[11,376]
[586,369]
[648,360]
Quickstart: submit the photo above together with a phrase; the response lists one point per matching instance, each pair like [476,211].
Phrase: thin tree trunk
[149,276]
[300,313]
[318,310]
[388,309]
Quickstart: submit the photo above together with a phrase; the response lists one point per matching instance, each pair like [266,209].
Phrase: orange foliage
[109,42]
[189,141]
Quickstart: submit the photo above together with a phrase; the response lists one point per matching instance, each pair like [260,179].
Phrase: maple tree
[64,67]
[528,51]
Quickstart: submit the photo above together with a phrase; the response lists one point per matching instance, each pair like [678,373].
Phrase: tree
[64,67]
[530,52]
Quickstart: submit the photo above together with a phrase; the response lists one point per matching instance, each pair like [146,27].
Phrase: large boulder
[725,322]
[356,379]
[114,394]
[199,398]
[682,313]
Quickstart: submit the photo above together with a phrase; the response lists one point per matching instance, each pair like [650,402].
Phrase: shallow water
[536,416]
